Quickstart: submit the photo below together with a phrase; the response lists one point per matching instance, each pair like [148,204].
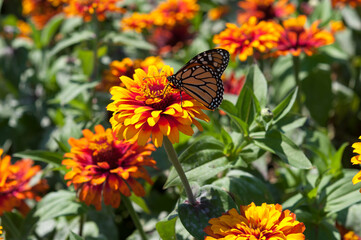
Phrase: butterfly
[201,77]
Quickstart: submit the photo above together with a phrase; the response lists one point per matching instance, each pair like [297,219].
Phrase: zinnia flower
[41,11]
[264,10]
[15,185]
[218,12]
[233,84]
[126,67]
[87,8]
[167,14]
[295,38]
[256,222]
[149,107]
[251,35]
[342,3]
[351,235]
[356,160]
[102,165]
[336,26]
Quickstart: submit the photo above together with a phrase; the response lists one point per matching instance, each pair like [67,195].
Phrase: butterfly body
[201,77]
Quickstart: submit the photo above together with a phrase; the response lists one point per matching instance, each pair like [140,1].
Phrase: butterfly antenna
[165,90]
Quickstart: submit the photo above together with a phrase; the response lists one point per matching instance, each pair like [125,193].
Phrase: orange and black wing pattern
[201,77]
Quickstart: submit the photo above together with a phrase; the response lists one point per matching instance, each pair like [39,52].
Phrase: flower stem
[172,156]
[134,216]
[95,23]
[296,72]
[81,224]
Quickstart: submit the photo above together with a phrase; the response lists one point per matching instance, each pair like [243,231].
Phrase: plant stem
[81,224]
[296,72]
[94,75]
[134,216]
[172,156]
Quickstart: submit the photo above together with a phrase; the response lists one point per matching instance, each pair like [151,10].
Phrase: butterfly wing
[201,77]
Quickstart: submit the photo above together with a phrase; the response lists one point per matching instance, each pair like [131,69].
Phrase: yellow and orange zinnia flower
[102,165]
[264,10]
[147,107]
[356,160]
[267,221]
[168,14]
[41,11]
[351,235]
[15,185]
[126,67]
[87,8]
[295,38]
[251,35]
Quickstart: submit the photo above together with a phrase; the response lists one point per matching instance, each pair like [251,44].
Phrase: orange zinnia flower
[351,235]
[218,12]
[87,8]
[102,165]
[256,222]
[242,40]
[341,3]
[147,107]
[336,26]
[264,10]
[295,38]
[126,67]
[357,160]
[15,185]
[41,11]
[168,14]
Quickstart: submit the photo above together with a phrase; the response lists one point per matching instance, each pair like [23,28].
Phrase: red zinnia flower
[103,166]
[15,185]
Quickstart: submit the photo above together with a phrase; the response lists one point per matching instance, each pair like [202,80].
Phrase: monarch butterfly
[201,77]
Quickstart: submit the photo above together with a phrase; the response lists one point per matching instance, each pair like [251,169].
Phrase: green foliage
[275,142]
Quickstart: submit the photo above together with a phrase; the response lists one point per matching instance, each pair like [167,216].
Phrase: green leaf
[290,122]
[245,187]
[245,106]
[317,87]
[74,236]
[285,106]
[322,12]
[342,193]
[200,173]
[71,91]
[129,40]
[258,83]
[277,143]
[351,17]
[230,109]
[336,159]
[43,156]
[325,230]
[211,203]
[50,29]
[75,38]
[87,61]
[140,202]
[166,227]
[56,204]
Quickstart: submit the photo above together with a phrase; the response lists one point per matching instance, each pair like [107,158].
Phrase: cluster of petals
[148,106]
[264,10]
[351,235]
[168,13]
[103,166]
[295,38]
[357,160]
[341,3]
[126,67]
[15,186]
[41,12]
[267,221]
[233,84]
[89,8]
[218,12]
[262,36]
